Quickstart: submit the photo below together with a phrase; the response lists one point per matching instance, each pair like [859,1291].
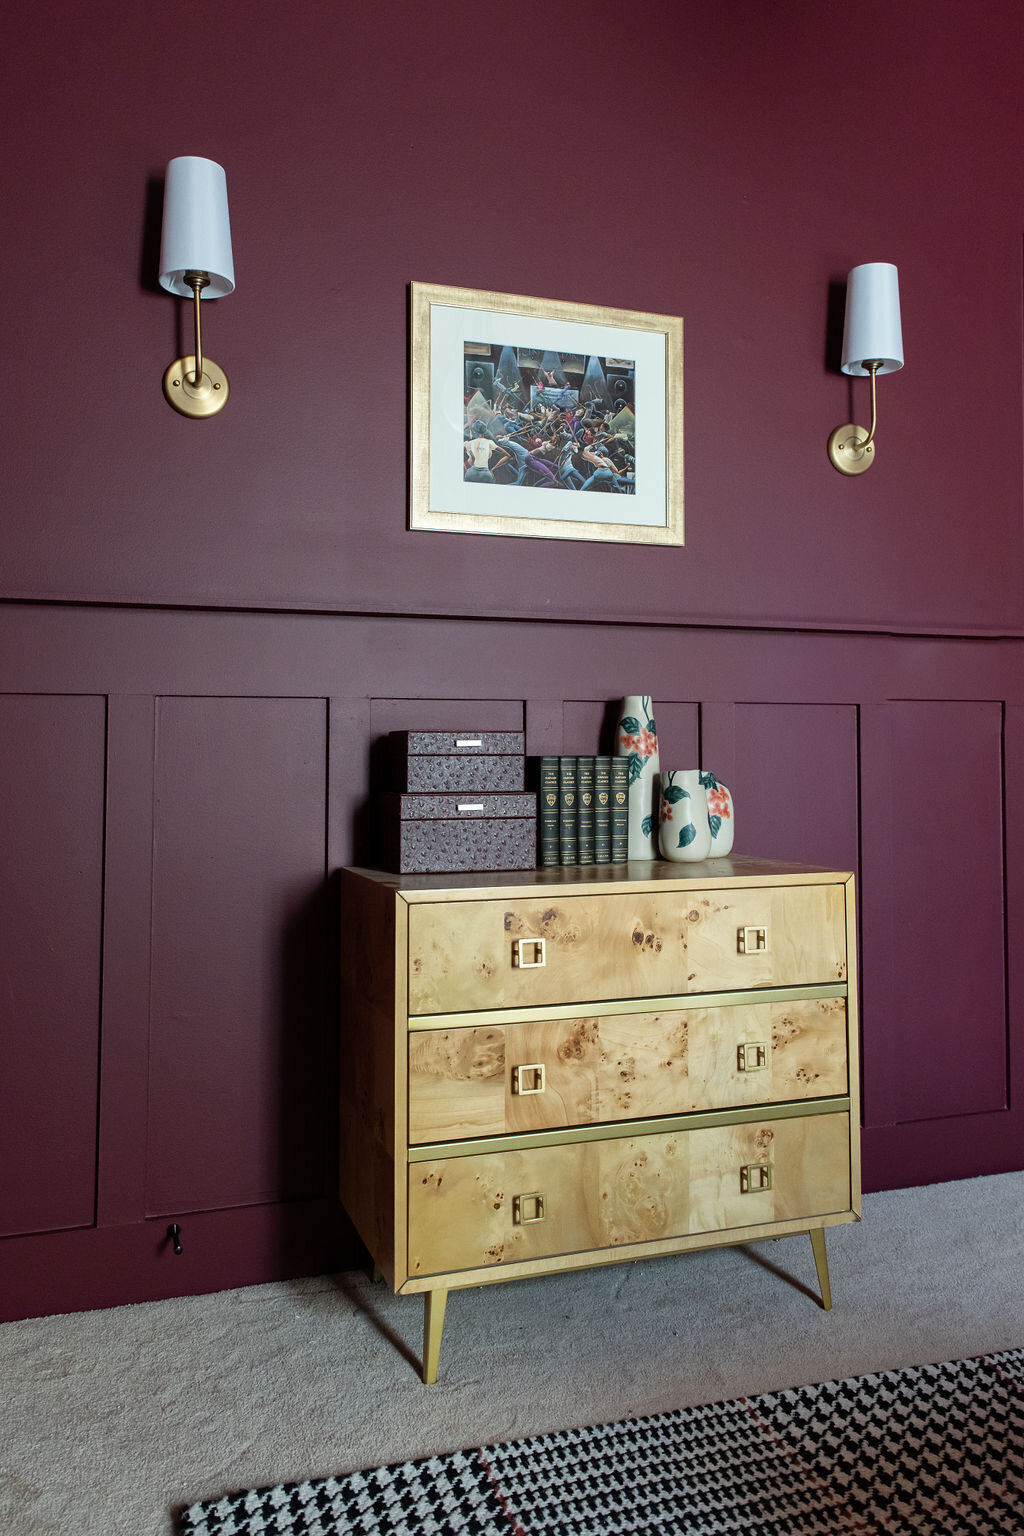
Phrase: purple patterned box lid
[441,743]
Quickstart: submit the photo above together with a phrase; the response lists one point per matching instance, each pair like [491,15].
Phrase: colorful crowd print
[549,420]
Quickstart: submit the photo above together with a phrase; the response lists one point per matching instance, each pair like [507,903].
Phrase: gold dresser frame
[439,970]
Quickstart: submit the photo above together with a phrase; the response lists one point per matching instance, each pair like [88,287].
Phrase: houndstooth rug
[936,1449]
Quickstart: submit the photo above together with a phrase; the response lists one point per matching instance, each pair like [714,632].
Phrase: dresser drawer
[504,1207]
[487,954]
[547,1073]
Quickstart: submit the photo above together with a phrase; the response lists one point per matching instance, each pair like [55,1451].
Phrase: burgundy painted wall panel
[792,770]
[247,789]
[445,714]
[240,1022]
[51,884]
[134,1262]
[934,889]
[731,214]
[127,937]
[678,722]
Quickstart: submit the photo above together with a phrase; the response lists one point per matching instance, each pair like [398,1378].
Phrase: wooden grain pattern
[619,944]
[618,1193]
[627,1066]
[598,1258]
[810,1162]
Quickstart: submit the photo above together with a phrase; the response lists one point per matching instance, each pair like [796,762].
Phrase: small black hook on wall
[174,1233]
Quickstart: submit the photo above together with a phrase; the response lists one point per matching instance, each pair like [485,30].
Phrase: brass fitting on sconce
[195,385]
[850,448]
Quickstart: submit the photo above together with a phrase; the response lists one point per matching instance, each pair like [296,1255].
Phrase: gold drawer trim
[744,997]
[614,1129]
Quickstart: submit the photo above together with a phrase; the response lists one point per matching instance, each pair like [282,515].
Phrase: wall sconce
[872,344]
[196,262]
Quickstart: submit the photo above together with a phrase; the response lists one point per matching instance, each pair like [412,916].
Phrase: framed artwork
[540,418]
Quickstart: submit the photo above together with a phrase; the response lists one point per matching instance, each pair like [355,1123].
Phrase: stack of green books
[583,803]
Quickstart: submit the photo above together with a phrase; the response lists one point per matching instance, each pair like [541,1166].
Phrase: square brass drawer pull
[752,941]
[754,1177]
[527,953]
[529,1078]
[527,1208]
[752,1057]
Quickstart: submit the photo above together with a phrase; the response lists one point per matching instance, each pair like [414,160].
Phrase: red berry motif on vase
[718,802]
[638,742]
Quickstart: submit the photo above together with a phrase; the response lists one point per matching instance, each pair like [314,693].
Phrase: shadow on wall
[307,1072]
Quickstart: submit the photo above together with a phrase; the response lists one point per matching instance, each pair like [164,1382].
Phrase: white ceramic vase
[721,815]
[637,739]
[684,832]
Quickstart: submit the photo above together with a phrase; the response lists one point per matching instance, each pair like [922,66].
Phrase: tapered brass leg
[434,1303]
[817,1237]
[376,1274]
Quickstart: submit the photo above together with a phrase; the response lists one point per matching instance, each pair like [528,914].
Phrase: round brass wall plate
[844,452]
[208,399]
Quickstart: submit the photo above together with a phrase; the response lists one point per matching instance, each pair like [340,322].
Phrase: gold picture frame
[597,392]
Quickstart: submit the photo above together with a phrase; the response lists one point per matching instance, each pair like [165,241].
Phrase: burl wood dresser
[558,1068]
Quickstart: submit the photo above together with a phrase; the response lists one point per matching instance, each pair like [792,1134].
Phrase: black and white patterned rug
[937,1449]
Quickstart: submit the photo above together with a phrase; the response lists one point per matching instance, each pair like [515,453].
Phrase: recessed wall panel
[241,1025]
[51,887]
[934,886]
[792,769]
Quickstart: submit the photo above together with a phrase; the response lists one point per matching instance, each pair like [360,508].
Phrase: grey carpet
[109,1420]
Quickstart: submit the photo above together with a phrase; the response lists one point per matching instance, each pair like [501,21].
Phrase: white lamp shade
[196,231]
[873,328]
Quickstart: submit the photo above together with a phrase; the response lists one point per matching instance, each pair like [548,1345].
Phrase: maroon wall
[728,163]
[176,785]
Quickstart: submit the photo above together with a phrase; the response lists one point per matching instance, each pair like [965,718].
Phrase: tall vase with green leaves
[637,740]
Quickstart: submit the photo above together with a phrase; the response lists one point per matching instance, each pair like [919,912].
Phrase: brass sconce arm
[197,281]
[849,450]
[193,386]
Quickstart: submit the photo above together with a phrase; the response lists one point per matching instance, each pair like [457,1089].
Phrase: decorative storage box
[453,762]
[432,834]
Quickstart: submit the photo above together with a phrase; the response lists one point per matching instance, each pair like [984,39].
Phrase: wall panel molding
[242,759]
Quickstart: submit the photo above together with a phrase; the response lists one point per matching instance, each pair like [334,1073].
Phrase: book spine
[602,810]
[547,802]
[567,810]
[620,809]
[585,810]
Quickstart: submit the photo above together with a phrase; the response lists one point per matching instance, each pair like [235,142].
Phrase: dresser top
[585,879]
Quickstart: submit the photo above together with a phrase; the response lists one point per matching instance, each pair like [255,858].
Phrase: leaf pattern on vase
[672,794]
[637,742]
[637,735]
